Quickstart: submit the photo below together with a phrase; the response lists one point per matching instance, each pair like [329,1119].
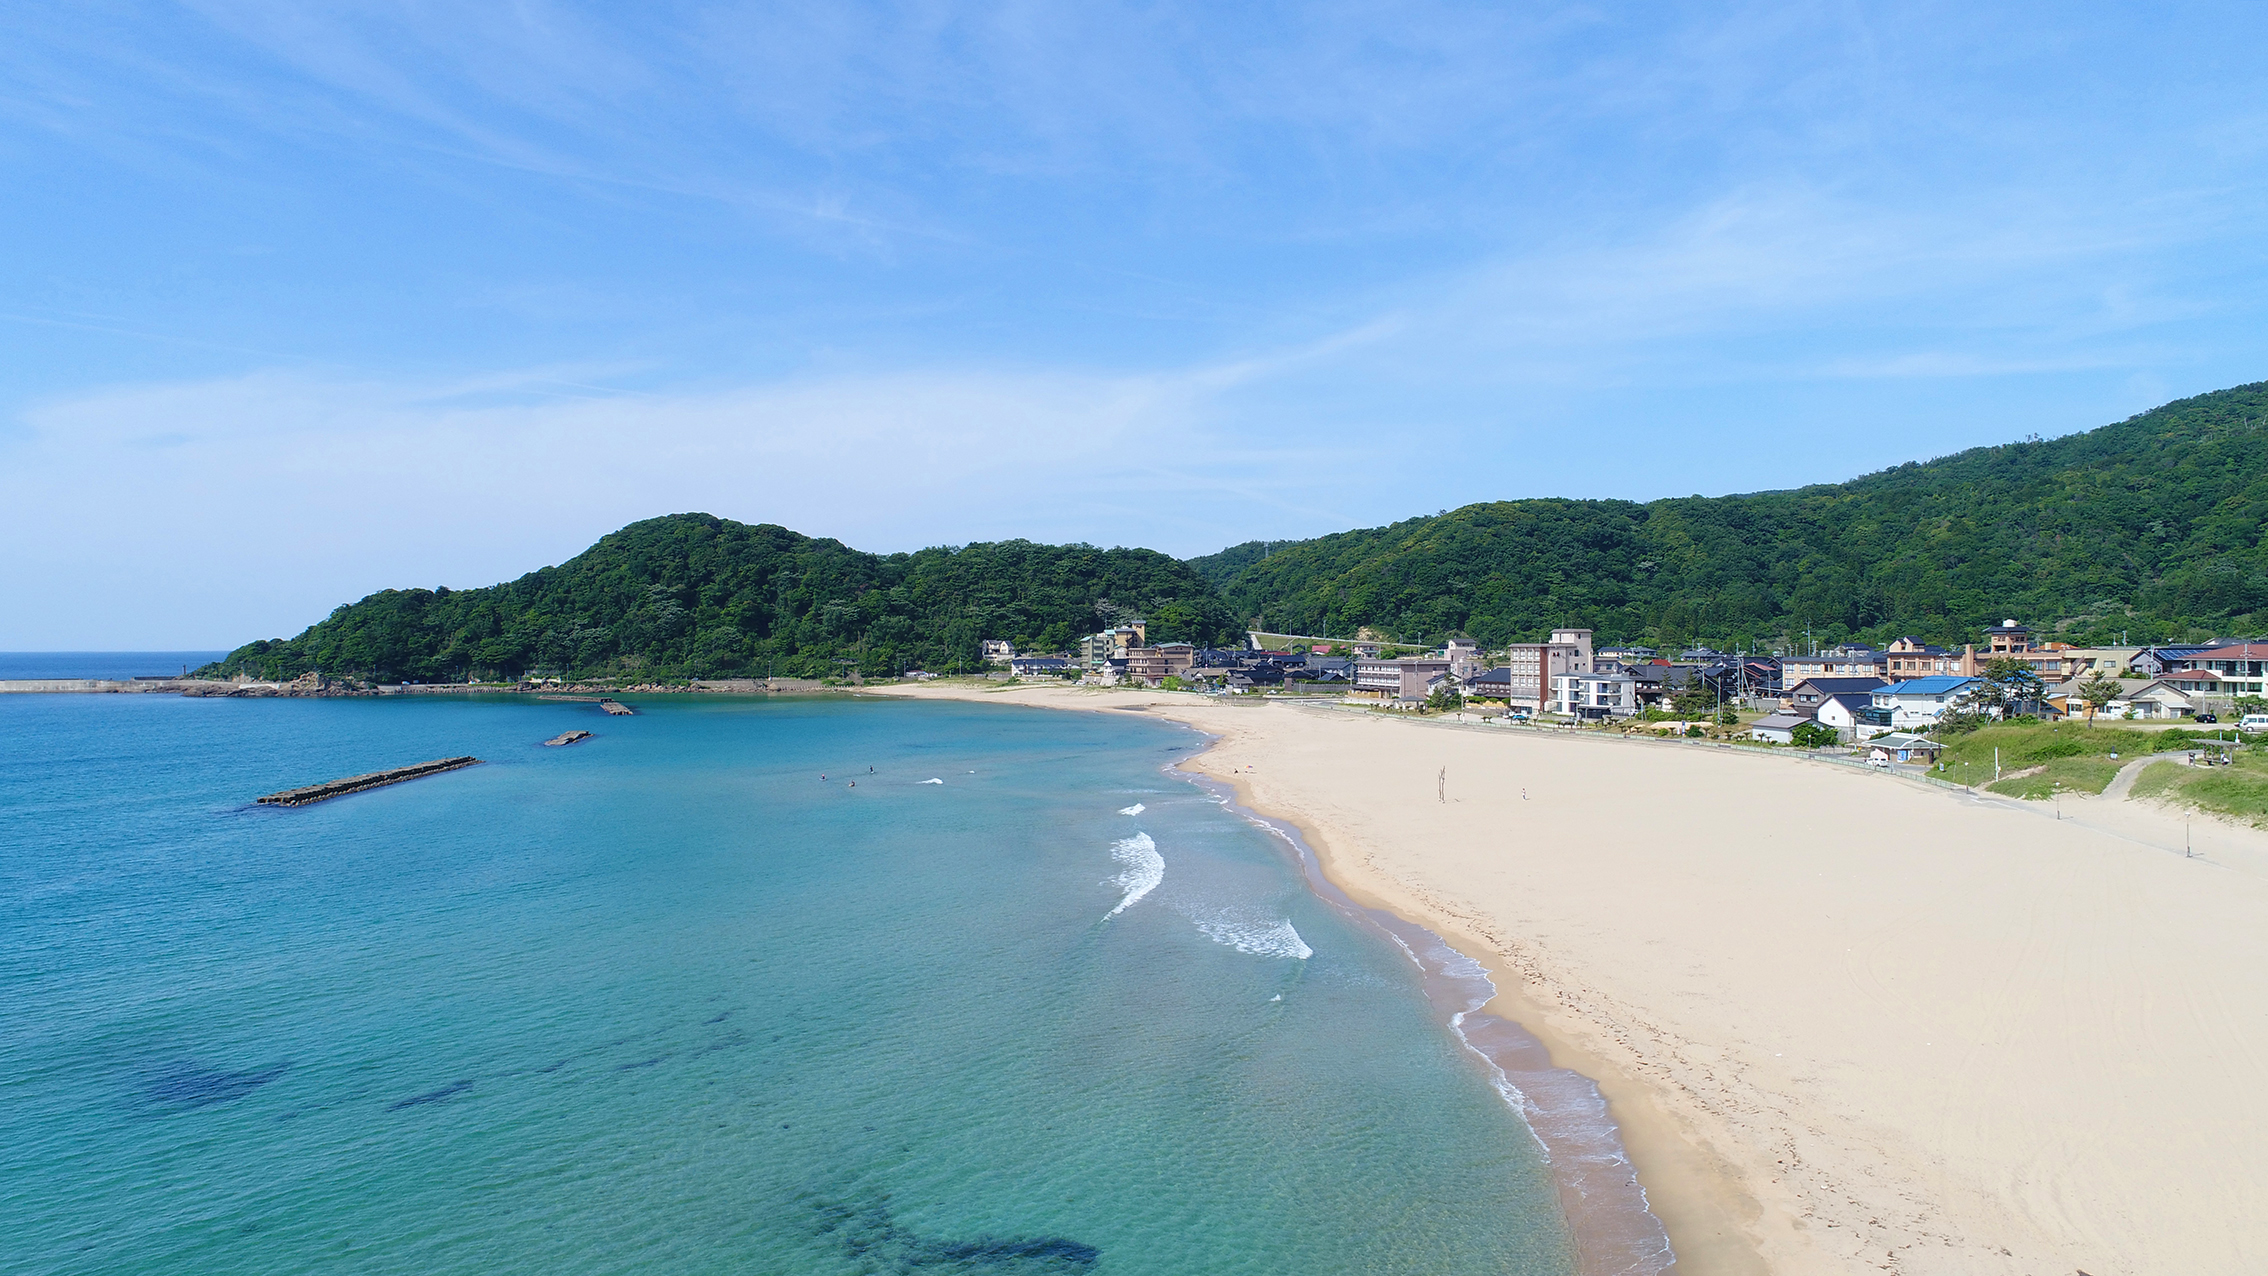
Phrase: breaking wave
[933,780]
[1260,934]
[1135,809]
[1145,868]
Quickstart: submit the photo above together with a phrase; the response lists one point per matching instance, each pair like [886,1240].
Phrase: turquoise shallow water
[666,1001]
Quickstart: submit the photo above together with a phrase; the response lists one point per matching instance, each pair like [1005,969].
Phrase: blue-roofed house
[1917,703]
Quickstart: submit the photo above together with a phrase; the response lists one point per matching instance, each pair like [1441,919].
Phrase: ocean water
[119,665]
[996,995]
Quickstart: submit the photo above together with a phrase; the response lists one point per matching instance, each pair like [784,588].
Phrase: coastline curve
[1609,1220]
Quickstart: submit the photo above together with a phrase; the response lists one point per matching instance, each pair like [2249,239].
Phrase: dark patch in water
[192,1086]
[719,1017]
[871,1236]
[448,1091]
[642,1063]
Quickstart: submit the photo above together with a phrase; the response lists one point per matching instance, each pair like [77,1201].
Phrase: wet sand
[1846,1023]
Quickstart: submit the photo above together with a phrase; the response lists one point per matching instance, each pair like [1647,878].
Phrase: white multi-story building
[1593,695]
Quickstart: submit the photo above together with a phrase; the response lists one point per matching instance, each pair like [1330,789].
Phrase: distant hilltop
[2148,530]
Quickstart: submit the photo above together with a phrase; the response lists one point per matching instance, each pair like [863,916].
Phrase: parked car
[2206,717]
[2253,722]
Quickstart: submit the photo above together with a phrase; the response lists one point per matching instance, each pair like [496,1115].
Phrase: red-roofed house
[2242,668]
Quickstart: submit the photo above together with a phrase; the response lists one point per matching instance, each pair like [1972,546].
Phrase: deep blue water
[667,1001]
[119,665]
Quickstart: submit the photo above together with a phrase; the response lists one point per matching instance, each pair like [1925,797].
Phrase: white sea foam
[1260,934]
[1145,868]
[1135,809]
[933,780]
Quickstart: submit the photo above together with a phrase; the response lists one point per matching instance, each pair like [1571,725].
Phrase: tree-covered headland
[2151,529]
[691,595]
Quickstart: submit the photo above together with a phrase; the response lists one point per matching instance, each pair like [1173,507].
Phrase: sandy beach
[1847,1023]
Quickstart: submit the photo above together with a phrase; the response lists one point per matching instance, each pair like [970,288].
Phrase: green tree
[1814,735]
[2099,691]
[2009,686]
[690,595]
[1694,700]
[2166,512]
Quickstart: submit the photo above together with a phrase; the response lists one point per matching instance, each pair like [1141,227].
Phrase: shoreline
[1843,1026]
[1591,1155]
[1611,1223]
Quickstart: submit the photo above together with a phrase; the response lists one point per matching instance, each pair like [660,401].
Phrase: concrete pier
[357,783]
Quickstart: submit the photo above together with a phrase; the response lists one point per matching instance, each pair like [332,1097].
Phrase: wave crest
[1145,868]
[1135,809]
[1260,934]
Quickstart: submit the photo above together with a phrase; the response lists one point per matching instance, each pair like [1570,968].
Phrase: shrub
[1813,735]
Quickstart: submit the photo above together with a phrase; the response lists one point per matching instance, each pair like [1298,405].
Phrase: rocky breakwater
[306,684]
[357,783]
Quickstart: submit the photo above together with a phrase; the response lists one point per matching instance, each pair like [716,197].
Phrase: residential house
[1806,696]
[2242,668]
[1658,680]
[2151,662]
[1491,684]
[1463,657]
[1795,669]
[2179,696]
[1916,704]
[1593,695]
[1039,666]
[1899,746]
[1628,655]
[997,651]
[1844,711]
[1777,728]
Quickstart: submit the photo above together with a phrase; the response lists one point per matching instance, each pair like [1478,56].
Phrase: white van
[2253,722]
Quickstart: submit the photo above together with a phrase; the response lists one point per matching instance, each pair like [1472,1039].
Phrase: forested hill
[2152,526]
[694,595]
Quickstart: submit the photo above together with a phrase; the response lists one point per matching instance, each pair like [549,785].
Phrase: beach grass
[2071,757]
[2159,779]
[2239,791]
[2062,775]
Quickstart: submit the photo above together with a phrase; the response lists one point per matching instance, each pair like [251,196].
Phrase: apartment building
[1097,650]
[1403,679]
[1529,668]
[1151,666]
[1593,695]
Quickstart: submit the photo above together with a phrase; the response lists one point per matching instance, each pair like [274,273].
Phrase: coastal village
[1886,702]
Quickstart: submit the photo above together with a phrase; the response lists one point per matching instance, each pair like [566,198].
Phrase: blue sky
[300,302]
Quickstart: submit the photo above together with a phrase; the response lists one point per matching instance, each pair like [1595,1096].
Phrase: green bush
[1813,735]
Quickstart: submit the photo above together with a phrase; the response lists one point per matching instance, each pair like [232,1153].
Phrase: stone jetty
[357,783]
[615,707]
[569,737]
